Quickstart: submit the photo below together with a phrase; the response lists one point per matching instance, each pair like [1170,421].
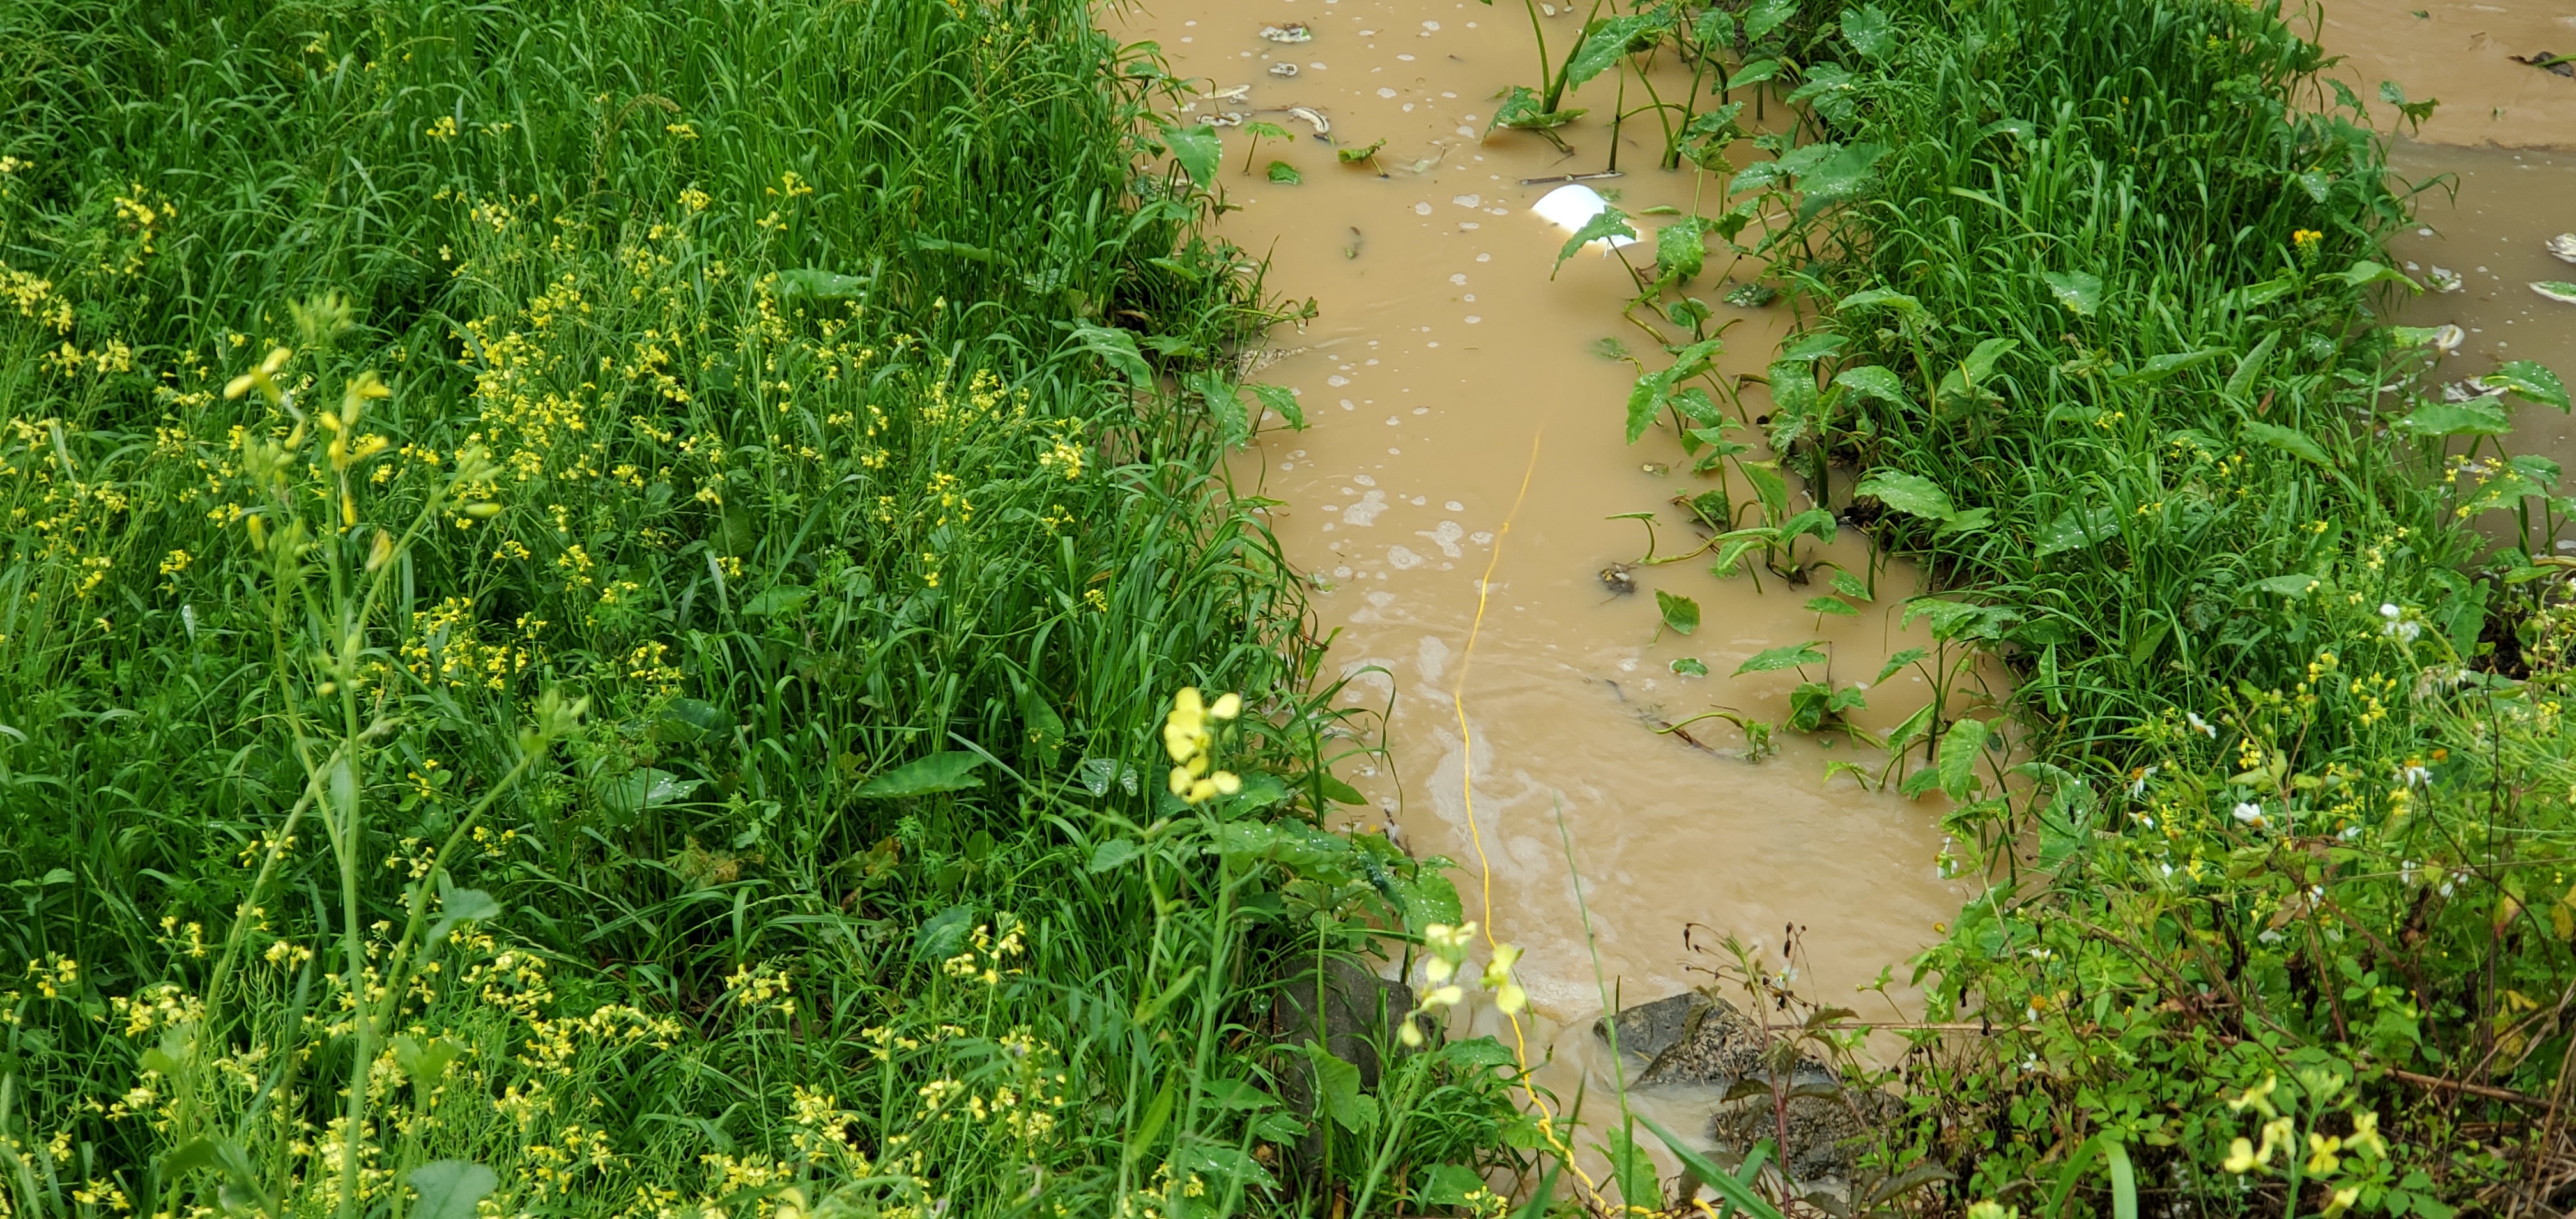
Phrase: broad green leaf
[1832,91]
[1870,32]
[819,284]
[1896,662]
[1450,1185]
[2364,273]
[1789,657]
[1714,27]
[2295,584]
[450,1189]
[2529,380]
[1610,222]
[1521,110]
[1114,853]
[2163,366]
[1880,298]
[1117,348]
[1811,346]
[2256,295]
[1980,363]
[1753,72]
[1349,156]
[2077,528]
[2476,417]
[1197,148]
[1850,586]
[1766,16]
[2080,292]
[777,599]
[1605,44]
[2289,440]
[1680,613]
[1285,174]
[1337,1087]
[1874,381]
[1282,399]
[1690,666]
[1767,484]
[1679,248]
[1782,168]
[2241,382]
[953,770]
[461,906]
[1958,756]
[1261,129]
[1911,494]
[1832,605]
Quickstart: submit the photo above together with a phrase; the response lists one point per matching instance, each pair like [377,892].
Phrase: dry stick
[2438,1084]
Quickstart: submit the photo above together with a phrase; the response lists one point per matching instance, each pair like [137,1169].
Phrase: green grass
[2094,298]
[708,749]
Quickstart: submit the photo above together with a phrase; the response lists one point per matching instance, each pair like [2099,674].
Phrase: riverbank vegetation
[626,580]
[2278,914]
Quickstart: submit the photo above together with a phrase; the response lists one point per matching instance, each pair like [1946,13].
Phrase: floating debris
[1283,69]
[1231,93]
[1657,468]
[1617,579]
[1323,126]
[1615,173]
[2556,65]
[1227,119]
[2460,391]
[2558,290]
[1752,296]
[1572,207]
[2445,280]
[1294,31]
[2563,246]
[2447,338]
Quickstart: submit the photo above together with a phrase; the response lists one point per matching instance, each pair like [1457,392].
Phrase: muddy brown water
[1453,497]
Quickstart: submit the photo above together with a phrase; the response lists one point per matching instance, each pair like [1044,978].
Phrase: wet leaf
[1874,381]
[1896,662]
[1286,174]
[1116,348]
[1789,657]
[2295,584]
[1689,666]
[1609,222]
[1680,249]
[1337,1087]
[2529,380]
[1754,72]
[2163,366]
[2365,273]
[1911,494]
[953,770]
[1604,45]
[1349,155]
[2079,291]
[1850,586]
[1832,605]
[2076,528]
[1283,400]
[1958,756]
[1880,298]
[1449,1185]
[1766,16]
[777,599]
[1524,110]
[1811,346]
[819,284]
[1113,853]
[2476,417]
[1870,32]
[1680,613]
[1197,148]
[462,906]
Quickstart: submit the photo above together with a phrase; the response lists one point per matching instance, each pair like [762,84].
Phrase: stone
[1697,1041]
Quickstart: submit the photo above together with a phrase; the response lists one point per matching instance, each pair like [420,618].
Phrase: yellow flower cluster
[1189,735]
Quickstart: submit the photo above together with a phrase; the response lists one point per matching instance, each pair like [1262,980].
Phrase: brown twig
[2437,1083]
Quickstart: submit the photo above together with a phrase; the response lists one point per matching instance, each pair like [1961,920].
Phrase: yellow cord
[1467,793]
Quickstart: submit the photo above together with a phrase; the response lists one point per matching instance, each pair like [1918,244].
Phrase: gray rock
[1828,1128]
[1694,1039]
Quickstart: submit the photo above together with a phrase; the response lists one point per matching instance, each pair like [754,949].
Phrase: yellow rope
[1467,794]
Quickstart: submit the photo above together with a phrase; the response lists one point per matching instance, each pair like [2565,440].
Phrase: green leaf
[1870,32]
[1767,484]
[818,284]
[1350,155]
[2364,273]
[1261,129]
[1812,346]
[1449,1185]
[1197,148]
[462,906]
[1603,45]
[777,599]
[1753,72]
[1680,613]
[2163,366]
[2080,292]
[1911,494]
[2476,417]
[1874,381]
[2289,440]
[1850,586]
[1736,1188]
[1789,657]
[1609,222]
[1958,756]
[1521,111]
[1680,249]
[2295,584]
[1113,853]
[1116,348]
[1690,666]
[1766,16]
[450,1189]
[1337,791]
[1286,174]
[2076,528]
[2529,380]
[2241,382]
[1282,399]
[424,1062]
[1278,1128]
[953,770]
[1880,298]
[1832,605]
[1337,1087]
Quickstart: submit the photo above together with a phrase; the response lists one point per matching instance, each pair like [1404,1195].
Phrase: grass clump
[2276,905]
[612,574]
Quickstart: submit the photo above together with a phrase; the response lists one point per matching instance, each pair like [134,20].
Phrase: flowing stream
[1462,423]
